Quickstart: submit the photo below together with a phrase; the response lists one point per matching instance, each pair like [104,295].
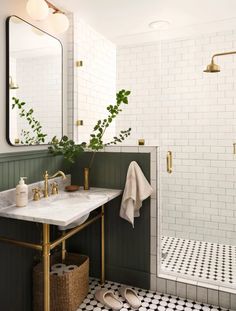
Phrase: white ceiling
[125,20]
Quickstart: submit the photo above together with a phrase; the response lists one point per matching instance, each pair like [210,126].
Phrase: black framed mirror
[34,84]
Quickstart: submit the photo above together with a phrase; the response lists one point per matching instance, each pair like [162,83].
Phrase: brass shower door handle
[169,162]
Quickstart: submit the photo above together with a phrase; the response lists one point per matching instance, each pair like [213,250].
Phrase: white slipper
[130,296]
[107,298]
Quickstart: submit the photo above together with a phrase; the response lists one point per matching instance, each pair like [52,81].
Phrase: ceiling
[125,20]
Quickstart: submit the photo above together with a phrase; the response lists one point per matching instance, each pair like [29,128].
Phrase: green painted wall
[127,249]
[29,164]
[16,263]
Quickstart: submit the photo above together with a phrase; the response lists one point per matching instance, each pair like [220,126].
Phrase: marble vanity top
[61,209]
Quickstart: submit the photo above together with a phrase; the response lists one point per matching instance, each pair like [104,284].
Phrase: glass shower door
[198,195]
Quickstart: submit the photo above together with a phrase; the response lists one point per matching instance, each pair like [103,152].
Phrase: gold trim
[46,266]
[234,148]
[86,178]
[47,246]
[79,63]
[37,247]
[79,123]
[141,142]
[213,67]
[73,231]
[63,248]
[102,245]
[169,162]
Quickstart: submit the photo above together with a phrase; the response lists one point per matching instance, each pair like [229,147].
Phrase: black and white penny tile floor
[150,300]
[199,259]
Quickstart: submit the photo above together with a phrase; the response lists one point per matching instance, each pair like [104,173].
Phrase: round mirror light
[59,22]
[37,9]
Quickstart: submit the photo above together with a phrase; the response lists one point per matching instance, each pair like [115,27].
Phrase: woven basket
[66,291]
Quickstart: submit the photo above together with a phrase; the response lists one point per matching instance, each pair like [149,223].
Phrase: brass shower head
[213,67]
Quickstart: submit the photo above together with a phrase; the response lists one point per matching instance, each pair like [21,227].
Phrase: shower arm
[221,54]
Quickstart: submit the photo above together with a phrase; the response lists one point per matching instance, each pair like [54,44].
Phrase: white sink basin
[74,224]
[67,202]
[72,199]
[64,209]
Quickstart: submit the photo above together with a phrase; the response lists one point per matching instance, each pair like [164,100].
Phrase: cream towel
[137,189]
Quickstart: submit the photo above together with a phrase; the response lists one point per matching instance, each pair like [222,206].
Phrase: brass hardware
[53,7]
[37,247]
[55,188]
[63,248]
[46,266]
[17,141]
[56,242]
[213,67]
[141,142]
[79,63]
[86,178]
[74,231]
[234,148]
[45,190]
[47,177]
[102,245]
[169,162]
[47,246]
[79,123]
[36,194]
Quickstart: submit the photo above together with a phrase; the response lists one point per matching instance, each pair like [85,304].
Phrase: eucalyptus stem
[69,150]
[36,136]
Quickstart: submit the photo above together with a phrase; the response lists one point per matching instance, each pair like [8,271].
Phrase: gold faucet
[47,177]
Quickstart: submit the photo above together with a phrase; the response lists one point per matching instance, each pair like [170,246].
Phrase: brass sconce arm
[52,6]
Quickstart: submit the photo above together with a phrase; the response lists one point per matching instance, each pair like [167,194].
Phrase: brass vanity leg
[46,266]
[63,248]
[102,245]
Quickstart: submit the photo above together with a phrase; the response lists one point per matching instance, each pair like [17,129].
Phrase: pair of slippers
[110,300]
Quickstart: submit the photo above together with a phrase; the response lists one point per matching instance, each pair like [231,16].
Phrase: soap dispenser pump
[21,193]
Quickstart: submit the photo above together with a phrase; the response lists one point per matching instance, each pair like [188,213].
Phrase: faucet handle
[54,188]
[36,194]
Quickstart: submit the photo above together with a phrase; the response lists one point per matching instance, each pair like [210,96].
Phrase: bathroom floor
[205,260]
[150,300]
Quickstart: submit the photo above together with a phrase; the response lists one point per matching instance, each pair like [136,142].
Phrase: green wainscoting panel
[127,248]
[16,263]
[30,164]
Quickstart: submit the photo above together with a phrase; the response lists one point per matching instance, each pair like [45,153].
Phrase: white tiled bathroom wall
[95,82]
[177,106]
[39,86]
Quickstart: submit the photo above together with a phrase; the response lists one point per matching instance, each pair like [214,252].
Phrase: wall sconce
[39,10]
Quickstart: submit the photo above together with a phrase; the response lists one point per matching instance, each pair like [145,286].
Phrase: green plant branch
[69,150]
[96,142]
[38,136]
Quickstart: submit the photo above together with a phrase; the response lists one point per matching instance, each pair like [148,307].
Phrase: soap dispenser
[21,193]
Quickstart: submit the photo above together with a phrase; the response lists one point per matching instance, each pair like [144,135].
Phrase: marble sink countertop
[62,209]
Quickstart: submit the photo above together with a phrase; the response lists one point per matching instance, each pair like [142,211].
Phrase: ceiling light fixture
[39,10]
[160,25]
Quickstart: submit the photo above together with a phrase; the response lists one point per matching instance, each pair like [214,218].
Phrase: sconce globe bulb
[60,22]
[37,9]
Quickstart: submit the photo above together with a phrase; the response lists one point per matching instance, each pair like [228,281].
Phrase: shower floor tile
[149,300]
[199,259]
